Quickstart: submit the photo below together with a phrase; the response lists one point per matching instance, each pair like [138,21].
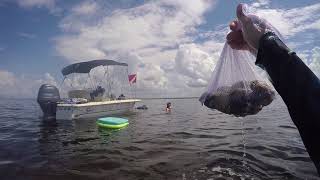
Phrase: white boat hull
[94,109]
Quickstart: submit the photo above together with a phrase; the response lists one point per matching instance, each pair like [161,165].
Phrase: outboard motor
[48,96]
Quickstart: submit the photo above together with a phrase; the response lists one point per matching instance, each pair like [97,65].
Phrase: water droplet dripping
[243,132]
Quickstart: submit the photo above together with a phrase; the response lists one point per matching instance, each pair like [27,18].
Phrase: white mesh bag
[235,86]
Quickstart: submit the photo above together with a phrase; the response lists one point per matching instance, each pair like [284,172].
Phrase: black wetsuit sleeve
[299,88]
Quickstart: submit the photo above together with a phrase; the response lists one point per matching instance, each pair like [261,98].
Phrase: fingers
[235,26]
[235,36]
[236,41]
[250,30]
[262,25]
[246,31]
[236,46]
[242,14]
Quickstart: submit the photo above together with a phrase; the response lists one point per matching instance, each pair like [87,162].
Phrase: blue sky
[26,38]
[39,37]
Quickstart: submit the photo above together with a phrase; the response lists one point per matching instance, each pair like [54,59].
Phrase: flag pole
[133,80]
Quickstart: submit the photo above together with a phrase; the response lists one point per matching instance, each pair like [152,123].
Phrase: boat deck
[99,103]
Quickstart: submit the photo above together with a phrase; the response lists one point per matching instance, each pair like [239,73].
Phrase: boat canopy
[85,67]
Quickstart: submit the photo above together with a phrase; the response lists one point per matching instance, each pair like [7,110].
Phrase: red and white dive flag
[132,78]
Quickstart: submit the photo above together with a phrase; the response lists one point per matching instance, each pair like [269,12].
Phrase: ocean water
[192,142]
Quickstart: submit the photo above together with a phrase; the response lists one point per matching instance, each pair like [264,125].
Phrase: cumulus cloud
[295,22]
[160,39]
[157,24]
[22,86]
[152,76]
[290,21]
[195,64]
[147,37]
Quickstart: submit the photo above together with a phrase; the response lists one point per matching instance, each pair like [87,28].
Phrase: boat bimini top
[85,67]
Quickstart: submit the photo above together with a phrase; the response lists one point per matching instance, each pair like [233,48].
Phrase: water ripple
[192,142]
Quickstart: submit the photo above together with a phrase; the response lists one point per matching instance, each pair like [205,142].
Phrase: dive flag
[132,78]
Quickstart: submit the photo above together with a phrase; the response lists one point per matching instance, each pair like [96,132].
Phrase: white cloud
[261,3]
[7,79]
[312,59]
[49,4]
[162,24]
[147,37]
[152,76]
[85,8]
[291,21]
[36,3]
[295,22]
[194,63]
[27,35]
[48,79]
[314,62]
[22,86]
[197,83]
[158,38]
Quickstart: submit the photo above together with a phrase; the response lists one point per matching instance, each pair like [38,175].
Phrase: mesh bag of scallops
[236,87]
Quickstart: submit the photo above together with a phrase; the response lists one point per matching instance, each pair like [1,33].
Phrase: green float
[112,122]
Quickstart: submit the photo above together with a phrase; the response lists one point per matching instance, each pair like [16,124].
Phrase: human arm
[298,86]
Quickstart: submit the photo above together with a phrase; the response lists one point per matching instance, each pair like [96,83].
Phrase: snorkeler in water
[168,108]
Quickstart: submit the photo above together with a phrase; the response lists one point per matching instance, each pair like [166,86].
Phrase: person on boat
[121,97]
[144,107]
[298,86]
[99,91]
[168,108]
[112,97]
